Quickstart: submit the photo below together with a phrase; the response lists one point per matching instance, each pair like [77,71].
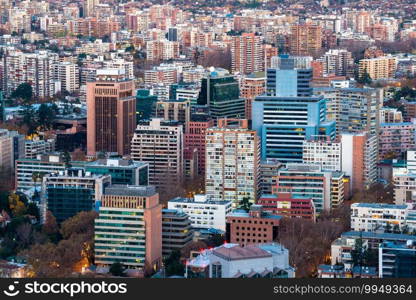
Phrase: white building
[202,212]
[379,217]
[325,153]
[234,261]
[67,74]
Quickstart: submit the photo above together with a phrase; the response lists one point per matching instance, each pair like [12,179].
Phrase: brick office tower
[111,117]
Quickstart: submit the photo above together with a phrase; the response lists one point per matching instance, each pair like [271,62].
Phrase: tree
[29,119]
[81,223]
[46,115]
[50,227]
[118,269]
[17,206]
[245,204]
[33,210]
[24,91]
[173,265]
[365,78]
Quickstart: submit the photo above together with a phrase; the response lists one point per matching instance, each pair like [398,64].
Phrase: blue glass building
[288,113]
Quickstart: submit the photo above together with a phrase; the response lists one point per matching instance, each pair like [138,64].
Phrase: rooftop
[130,190]
[379,206]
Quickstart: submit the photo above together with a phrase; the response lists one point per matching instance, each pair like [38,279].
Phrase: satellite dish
[211,69]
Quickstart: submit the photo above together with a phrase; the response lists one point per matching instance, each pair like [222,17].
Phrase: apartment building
[232,162]
[177,231]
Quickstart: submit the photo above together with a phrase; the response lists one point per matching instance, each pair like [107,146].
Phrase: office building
[202,212]
[128,228]
[6,151]
[289,114]
[71,191]
[177,231]
[111,116]
[122,171]
[310,181]
[174,110]
[29,171]
[232,162]
[220,91]
[160,144]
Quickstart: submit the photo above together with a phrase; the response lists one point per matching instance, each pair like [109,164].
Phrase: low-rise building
[203,213]
[234,261]
[177,230]
[254,227]
[284,204]
[380,217]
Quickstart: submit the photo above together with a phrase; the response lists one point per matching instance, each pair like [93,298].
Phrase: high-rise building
[33,68]
[128,229]
[359,159]
[160,144]
[220,91]
[290,76]
[67,73]
[288,114]
[338,62]
[6,151]
[111,116]
[305,39]
[353,109]
[247,53]
[195,136]
[162,50]
[71,191]
[89,7]
[232,162]
[269,169]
